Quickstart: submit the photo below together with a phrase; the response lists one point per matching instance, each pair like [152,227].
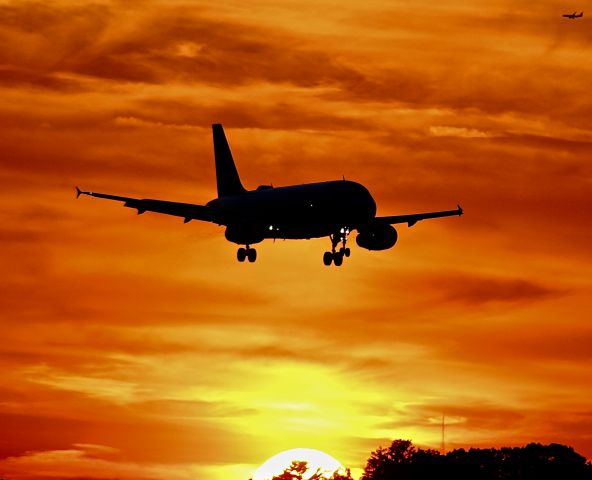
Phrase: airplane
[331,209]
[573,15]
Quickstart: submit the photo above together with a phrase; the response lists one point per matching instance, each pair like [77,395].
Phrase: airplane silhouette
[326,209]
[573,15]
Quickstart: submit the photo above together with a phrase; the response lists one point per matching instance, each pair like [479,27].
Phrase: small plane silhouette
[326,209]
[573,15]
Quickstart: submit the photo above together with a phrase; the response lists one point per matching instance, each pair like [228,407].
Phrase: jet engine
[377,236]
[244,234]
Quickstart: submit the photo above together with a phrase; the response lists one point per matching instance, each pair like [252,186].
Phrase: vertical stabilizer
[226,174]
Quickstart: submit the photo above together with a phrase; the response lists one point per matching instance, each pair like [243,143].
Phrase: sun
[315,459]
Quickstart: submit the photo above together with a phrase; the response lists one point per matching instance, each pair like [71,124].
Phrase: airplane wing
[412,219]
[187,211]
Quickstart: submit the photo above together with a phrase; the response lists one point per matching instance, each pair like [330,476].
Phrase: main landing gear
[336,256]
[246,253]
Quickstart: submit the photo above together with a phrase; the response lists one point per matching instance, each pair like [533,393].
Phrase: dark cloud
[527,347]
[284,115]
[469,66]
[15,78]
[19,236]
[180,44]
[474,290]
[132,299]
[573,147]
[176,44]
[23,433]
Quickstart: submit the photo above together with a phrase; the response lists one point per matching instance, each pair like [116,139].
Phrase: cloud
[81,462]
[132,344]
[475,416]
[131,292]
[462,132]
[475,290]
[22,79]
[284,114]
[30,431]
[172,44]
[103,388]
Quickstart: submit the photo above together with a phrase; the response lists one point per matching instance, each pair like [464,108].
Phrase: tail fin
[226,174]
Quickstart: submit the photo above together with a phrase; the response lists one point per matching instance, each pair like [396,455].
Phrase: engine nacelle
[244,234]
[377,236]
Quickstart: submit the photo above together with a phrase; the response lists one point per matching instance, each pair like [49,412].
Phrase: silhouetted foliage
[403,461]
[297,470]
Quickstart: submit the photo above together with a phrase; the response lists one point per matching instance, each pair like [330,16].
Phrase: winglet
[78,192]
[460,210]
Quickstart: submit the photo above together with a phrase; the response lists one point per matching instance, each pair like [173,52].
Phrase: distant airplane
[573,15]
[326,209]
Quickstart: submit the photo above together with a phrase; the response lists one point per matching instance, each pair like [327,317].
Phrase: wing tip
[81,192]
[460,210]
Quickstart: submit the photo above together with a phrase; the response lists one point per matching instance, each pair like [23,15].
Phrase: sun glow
[316,460]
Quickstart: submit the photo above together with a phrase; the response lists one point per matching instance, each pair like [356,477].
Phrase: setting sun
[316,460]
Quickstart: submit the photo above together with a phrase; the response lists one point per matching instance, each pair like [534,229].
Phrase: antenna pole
[443,445]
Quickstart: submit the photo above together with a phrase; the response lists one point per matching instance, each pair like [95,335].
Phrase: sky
[138,348]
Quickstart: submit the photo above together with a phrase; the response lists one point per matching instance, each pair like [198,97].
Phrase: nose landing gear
[334,256]
[246,253]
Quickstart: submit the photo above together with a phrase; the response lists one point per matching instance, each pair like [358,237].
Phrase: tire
[241,254]
[327,258]
[347,252]
[338,259]
[252,255]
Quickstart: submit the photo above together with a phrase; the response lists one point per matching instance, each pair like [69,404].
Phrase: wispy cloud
[137,348]
[462,132]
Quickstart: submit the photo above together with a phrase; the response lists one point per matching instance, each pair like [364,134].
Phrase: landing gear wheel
[347,252]
[327,258]
[338,259]
[252,255]
[241,254]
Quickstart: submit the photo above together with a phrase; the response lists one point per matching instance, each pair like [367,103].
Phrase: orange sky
[138,348]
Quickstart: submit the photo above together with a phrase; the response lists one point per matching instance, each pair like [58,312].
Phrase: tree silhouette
[298,470]
[402,461]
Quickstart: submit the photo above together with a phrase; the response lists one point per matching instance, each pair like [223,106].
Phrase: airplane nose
[371,206]
[367,202]
[361,201]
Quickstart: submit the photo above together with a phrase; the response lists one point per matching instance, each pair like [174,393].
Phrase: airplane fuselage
[297,212]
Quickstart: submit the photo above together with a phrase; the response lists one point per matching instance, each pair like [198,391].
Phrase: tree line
[403,461]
